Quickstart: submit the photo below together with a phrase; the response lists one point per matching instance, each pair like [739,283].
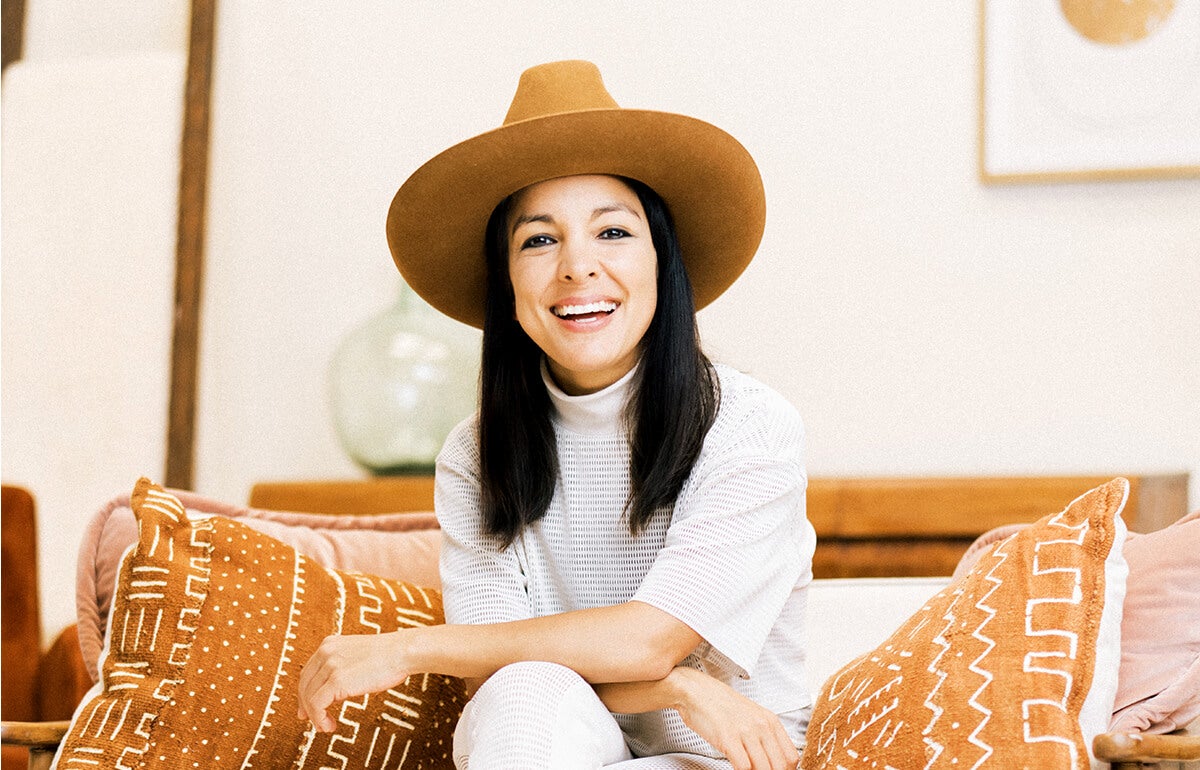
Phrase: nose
[577,261]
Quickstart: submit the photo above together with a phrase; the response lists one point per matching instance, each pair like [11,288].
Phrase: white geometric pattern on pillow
[1013,665]
[211,624]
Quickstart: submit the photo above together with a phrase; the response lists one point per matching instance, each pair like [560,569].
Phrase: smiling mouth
[589,312]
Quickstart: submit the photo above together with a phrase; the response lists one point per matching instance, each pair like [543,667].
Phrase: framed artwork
[1088,90]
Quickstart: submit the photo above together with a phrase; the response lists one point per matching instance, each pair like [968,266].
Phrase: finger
[791,755]
[316,662]
[304,682]
[319,702]
[778,744]
[302,689]
[318,712]
[738,757]
[316,695]
[317,688]
[759,757]
[304,694]
[776,754]
[328,724]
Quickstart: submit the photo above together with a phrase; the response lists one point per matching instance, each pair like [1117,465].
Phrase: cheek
[521,284]
[526,300]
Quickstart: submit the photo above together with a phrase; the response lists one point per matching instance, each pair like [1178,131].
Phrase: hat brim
[437,221]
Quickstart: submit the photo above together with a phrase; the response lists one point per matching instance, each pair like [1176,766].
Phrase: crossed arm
[639,674]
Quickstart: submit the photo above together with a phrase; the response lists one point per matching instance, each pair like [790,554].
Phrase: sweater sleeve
[739,543]
[480,582]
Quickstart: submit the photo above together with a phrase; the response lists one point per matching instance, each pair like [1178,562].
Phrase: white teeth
[565,311]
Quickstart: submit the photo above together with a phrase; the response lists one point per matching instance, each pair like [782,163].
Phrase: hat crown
[558,87]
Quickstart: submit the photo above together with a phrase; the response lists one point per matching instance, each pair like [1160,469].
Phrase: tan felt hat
[562,122]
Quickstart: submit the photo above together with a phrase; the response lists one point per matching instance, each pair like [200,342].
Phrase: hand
[750,736]
[346,666]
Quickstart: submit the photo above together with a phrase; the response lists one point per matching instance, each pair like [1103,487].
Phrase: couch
[856,613]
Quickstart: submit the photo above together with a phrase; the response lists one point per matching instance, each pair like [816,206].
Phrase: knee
[530,679]
[537,715]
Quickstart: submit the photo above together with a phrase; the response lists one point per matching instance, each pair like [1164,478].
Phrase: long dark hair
[675,393]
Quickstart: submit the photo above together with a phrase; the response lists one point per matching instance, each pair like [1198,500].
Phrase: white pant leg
[534,716]
[673,762]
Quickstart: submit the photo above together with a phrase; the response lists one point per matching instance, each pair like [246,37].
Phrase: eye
[536,242]
[613,233]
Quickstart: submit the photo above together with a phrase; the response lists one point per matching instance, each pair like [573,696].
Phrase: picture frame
[1067,93]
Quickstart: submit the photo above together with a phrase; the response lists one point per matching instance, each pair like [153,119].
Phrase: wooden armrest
[33,734]
[41,738]
[1181,745]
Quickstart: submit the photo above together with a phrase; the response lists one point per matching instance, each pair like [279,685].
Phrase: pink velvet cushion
[402,546]
[1158,685]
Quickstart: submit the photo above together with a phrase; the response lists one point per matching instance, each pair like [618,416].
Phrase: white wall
[922,323]
[92,118]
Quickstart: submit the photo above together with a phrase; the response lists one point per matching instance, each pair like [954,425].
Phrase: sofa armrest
[41,738]
[63,678]
[33,733]
[1134,747]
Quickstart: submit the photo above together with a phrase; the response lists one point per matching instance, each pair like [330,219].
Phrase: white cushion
[850,616]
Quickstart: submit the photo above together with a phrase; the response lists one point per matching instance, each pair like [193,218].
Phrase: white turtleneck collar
[596,414]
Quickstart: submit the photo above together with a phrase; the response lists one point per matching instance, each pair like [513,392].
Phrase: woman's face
[585,276]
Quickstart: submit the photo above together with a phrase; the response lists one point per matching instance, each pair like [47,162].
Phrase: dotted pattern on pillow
[1012,665]
[211,625]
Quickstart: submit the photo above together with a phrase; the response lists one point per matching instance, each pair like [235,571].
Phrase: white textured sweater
[732,560]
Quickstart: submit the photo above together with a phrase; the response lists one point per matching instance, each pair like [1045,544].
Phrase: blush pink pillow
[1158,689]
[402,546]
[1158,685]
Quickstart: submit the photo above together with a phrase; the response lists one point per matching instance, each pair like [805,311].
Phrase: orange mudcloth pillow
[1012,665]
[211,624]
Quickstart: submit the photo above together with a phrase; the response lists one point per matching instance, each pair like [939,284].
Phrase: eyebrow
[546,218]
[527,218]
[614,207]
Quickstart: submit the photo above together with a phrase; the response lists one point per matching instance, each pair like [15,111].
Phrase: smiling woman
[655,327]
[615,485]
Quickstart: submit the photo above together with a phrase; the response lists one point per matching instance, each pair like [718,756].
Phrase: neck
[600,412]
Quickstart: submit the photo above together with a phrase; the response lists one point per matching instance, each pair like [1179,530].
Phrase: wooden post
[13,31]
[189,249]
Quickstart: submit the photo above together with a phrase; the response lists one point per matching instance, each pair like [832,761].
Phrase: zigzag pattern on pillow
[994,670]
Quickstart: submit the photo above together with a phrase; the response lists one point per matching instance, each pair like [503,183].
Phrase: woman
[625,550]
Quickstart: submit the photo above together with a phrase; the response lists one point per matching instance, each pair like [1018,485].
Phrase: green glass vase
[400,382]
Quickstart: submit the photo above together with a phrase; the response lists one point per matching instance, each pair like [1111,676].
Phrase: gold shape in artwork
[1116,22]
